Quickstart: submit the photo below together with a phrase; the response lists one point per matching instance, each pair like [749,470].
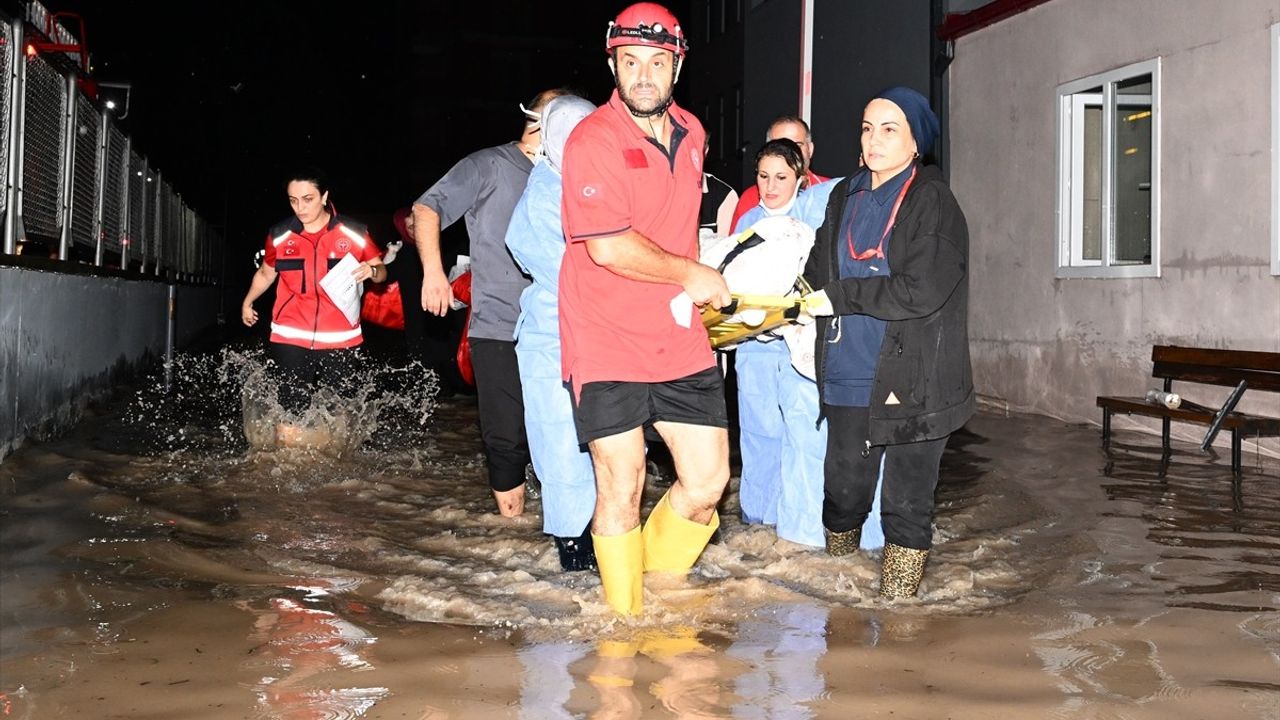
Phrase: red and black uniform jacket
[303,314]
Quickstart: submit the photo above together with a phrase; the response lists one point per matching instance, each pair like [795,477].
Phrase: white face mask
[533,119]
[784,208]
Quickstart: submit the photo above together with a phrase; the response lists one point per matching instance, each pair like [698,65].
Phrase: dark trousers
[431,340]
[910,478]
[506,448]
[299,372]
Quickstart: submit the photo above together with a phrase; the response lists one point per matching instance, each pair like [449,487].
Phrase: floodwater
[155,565]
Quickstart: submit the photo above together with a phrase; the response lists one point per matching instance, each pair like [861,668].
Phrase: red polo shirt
[616,178]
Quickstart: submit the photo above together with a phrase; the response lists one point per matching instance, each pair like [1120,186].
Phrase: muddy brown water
[155,566]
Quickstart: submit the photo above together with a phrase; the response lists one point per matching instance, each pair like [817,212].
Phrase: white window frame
[1071,98]
[1275,149]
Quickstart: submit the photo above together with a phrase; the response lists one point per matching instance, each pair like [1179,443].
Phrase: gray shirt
[484,187]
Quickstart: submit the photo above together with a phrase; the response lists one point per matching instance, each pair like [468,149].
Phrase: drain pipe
[13,84]
[170,327]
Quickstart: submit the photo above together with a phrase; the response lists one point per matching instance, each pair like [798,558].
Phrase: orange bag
[462,292]
[381,306]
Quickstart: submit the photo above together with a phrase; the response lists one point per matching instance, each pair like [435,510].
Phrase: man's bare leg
[615,530]
[510,502]
[684,520]
[619,464]
[701,457]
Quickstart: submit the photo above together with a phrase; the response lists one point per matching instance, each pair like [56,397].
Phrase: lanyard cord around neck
[878,250]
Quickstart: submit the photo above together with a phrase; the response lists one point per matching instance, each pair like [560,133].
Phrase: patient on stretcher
[762,266]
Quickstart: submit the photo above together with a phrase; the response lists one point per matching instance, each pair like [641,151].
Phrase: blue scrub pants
[563,466]
[778,413]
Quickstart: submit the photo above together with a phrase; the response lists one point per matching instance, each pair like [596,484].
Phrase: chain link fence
[84,196]
[45,104]
[113,198]
[76,177]
[135,236]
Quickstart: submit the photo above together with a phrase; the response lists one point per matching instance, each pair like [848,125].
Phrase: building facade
[1116,163]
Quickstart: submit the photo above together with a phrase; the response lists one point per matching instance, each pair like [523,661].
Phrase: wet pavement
[157,565]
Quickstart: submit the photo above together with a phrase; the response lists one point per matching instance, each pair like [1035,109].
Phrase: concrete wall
[65,336]
[860,48]
[770,74]
[711,84]
[1051,345]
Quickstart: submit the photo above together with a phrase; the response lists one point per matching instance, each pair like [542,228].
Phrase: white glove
[817,304]
[390,255]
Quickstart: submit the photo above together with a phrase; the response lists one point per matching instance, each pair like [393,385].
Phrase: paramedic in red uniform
[633,348]
[310,336]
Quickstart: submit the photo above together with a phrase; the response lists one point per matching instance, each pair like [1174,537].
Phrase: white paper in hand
[682,309]
[343,289]
[463,265]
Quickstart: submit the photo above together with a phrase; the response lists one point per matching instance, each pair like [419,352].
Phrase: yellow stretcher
[726,328]
[737,321]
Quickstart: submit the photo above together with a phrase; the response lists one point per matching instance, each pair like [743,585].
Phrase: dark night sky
[230,96]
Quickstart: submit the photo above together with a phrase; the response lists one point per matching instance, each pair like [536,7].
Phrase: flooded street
[155,565]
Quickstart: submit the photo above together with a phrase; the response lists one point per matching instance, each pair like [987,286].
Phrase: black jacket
[924,359]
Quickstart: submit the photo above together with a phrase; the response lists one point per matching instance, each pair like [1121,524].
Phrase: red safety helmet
[646,23]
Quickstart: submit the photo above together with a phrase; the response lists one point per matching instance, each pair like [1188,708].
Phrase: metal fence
[41,159]
[72,181]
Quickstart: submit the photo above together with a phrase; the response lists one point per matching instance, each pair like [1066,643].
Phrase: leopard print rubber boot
[843,543]
[901,571]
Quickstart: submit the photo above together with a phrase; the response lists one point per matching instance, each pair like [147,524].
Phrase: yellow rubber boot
[620,559]
[673,543]
[671,642]
[614,674]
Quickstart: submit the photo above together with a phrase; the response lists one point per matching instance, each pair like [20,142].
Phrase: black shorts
[610,407]
[299,372]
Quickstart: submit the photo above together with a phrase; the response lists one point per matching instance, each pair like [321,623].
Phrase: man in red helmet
[633,347]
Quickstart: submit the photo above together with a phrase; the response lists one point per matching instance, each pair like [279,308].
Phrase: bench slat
[1252,359]
[1191,412]
[1225,376]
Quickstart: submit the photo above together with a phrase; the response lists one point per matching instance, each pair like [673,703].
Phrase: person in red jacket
[311,337]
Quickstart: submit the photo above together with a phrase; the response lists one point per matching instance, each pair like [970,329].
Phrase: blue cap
[925,127]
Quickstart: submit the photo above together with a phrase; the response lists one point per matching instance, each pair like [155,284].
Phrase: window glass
[1091,212]
[1108,174]
[1132,162]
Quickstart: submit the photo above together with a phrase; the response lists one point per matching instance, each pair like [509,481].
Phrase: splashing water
[233,394]
[398,507]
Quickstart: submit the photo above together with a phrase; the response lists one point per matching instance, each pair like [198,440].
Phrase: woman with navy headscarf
[890,263]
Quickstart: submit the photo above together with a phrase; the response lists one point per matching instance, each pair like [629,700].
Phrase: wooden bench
[1258,370]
